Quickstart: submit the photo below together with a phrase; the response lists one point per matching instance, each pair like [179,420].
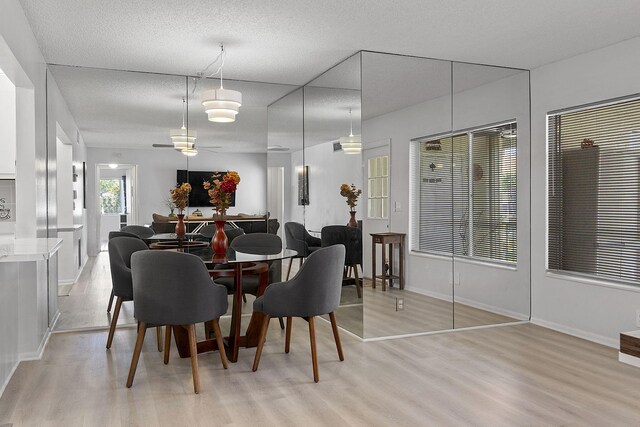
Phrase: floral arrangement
[172,206]
[351,193]
[221,189]
[180,196]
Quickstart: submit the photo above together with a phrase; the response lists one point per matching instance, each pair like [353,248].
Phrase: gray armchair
[120,251]
[139,230]
[314,291]
[300,241]
[256,243]
[174,289]
[113,234]
[351,238]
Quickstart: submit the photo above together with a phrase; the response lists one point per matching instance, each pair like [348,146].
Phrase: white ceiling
[292,41]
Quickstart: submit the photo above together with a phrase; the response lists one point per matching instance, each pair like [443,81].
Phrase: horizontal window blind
[465,194]
[494,200]
[594,191]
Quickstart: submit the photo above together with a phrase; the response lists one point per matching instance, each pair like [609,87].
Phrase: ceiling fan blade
[162,145]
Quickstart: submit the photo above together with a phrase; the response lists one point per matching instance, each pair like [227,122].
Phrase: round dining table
[252,261]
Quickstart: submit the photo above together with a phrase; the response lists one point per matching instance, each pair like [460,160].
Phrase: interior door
[375,201]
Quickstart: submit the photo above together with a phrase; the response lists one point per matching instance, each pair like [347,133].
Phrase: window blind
[465,194]
[594,191]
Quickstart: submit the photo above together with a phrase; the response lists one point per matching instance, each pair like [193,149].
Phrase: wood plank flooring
[511,375]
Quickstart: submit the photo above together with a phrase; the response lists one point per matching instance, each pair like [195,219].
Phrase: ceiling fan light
[183,145]
[221,105]
[189,152]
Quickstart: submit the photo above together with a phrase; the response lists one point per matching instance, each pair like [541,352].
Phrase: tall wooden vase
[220,243]
[352,221]
[181,229]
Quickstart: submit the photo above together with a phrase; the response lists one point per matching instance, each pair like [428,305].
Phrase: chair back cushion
[257,243]
[113,234]
[174,288]
[120,251]
[350,237]
[314,291]
[139,230]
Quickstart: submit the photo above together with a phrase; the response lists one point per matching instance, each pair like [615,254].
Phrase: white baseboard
[589,336]
[37,355]
[6,381]
[628,359]
[491,308]
[436,295]
[71,282]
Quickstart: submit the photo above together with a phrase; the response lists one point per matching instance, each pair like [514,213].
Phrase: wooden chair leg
[221,350]
[314,353]
[114,321]
[110,302]
[159,337]
[281,322]
[289,269]
[167,343]
[336,334]
[358,284]
[287,342]
[261,340]
[193,349]
[142,329]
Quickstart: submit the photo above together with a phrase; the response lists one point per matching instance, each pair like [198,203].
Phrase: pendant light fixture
[351,144]
[221,105]
[183,138]
[189,152]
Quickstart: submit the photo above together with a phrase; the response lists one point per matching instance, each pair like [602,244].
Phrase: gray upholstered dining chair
[299,239]
[120,251]
[174,289]
[139,230]
[113,234]
[351,238]
[314,291]
[256,243]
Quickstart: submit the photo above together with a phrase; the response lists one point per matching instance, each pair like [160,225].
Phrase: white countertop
[74,227]
[18,250]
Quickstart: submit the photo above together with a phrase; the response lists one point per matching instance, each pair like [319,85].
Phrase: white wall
[594,311]
[157,175]
[7,127]
[497,289]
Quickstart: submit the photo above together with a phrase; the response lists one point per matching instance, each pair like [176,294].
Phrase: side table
[391,240]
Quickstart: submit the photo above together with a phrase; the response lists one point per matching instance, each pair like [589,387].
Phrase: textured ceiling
[292,41]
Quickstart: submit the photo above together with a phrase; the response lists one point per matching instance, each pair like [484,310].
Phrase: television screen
[199,197]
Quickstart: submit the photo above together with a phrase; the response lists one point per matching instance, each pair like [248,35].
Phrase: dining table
[237,264]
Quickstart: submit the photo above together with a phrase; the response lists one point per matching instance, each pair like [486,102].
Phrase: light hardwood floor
[510,375]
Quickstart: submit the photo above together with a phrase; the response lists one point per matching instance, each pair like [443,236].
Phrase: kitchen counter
[18,250]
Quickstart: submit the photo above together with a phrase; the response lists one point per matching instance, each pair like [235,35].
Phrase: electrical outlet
[399,304]
[638,317]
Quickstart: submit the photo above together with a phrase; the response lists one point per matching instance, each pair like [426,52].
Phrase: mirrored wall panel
[333,169]
[491,214]
[407,117]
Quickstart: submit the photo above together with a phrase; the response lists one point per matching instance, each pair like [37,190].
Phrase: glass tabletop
[172,236]
[255,254]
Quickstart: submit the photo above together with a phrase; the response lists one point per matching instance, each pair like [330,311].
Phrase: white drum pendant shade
[351,144]
[183,138]
[189,152]
[221,105]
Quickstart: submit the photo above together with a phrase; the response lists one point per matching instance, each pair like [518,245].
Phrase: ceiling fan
[212,148]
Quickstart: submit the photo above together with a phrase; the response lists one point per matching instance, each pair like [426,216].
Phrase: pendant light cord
[203,74]
[350,123]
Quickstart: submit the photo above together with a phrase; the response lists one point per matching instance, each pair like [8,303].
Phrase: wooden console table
[387,239]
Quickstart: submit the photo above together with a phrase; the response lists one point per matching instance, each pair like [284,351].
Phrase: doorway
[117,202]
[275,196]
